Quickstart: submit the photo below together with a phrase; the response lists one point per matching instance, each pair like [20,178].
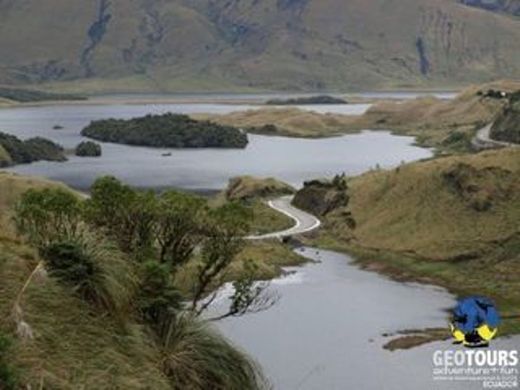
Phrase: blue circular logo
[475,321]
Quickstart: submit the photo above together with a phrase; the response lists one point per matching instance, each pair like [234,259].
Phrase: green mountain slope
[136,45]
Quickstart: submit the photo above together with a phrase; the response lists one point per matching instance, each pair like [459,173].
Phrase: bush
[125,215]
[197,358]
[96,271]
[88,149]
[159,301]
[48,215]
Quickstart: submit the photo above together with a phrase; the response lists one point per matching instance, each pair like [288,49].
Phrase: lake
[326,331]
[289,159]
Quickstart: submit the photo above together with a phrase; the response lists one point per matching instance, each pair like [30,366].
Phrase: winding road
[483,140]
[304,222]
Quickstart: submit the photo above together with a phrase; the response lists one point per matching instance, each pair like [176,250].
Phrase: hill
[137,45]
[451,221]
[79,311]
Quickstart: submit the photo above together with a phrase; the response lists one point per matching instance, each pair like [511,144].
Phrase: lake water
[326,331]
[289,159]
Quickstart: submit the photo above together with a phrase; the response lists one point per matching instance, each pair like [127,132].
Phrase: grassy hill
[53,337]
[452,220]
[178,45]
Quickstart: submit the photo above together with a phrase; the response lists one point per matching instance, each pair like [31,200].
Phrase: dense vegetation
[123,254]
[28,95]
[88,149]
[15,151]
[166,131]
[507,125]
[321,99]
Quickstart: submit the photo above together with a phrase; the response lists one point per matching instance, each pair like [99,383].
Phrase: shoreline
[230,98]
[390,264]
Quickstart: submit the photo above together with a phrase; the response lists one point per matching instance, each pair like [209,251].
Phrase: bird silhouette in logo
[475,322]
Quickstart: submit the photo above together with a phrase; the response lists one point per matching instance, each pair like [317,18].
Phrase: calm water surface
[326,330]
[292,160]
[325,333]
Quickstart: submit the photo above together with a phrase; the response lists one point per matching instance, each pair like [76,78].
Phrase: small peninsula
[322,99]
[166,131]
[14,151]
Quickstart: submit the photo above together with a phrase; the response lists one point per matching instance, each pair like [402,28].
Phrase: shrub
[47,215]
[125,215]
[88,149]
[159,301]
[179,225]
[96,271]
[197,358]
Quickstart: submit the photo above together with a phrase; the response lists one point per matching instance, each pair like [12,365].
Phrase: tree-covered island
[166,131]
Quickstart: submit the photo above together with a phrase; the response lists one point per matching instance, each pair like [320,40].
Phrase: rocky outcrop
[95,35]
[507,125]
[320,197]
[248,187]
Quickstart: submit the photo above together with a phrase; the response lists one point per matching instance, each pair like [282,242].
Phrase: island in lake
[321,99]
[166,131]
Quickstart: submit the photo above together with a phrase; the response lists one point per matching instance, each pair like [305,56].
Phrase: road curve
[304,222]
[483,140]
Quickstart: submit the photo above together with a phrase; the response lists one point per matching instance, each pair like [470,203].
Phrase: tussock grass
[197,358]
[77,344]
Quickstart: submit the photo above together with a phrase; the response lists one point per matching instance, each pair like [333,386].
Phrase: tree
[249,295]
[225,228]
[49,215]
[179,227]
[125,215]
[158,301]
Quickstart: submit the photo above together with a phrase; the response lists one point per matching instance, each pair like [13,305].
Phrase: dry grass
[248,187]
[414,222]
[73,344]
[291,122]
[414,209]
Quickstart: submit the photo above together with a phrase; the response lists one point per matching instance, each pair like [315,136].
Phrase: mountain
[183,45]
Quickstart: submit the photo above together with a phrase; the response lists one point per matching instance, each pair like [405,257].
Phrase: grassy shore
[452,221]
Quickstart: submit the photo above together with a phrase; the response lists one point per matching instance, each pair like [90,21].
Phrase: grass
[5,158]
[195,358]
[413,223]
[72,342]
[447,125]
[290,122]
[254,192]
